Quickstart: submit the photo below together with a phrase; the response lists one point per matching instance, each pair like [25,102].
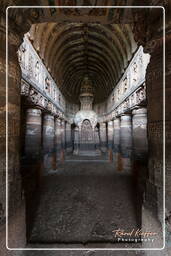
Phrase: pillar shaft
[116,142]
[68,137]
[126,141]
[63,135]
[103,137]
[48,141]
[97,138]
[139,134]
[140,149]
[58,140]
[110,134]
[76,141]
[33,133]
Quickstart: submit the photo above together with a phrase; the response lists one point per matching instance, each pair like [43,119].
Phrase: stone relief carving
[35,97]
[37,70]
[125,84]
[30,66]
[129,103]
[135,72]
[122,97]
[33,68]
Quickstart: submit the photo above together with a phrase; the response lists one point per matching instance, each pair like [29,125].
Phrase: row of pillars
[46,138]
[126,138]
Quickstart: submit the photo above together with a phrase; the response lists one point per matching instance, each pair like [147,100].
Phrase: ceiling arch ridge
[90,70]
[61,35]
[102,66]
[46,39]
[64,54]
[94,52]
[57,50]
[81,66]
[83,71]
[114,39]
[78,86]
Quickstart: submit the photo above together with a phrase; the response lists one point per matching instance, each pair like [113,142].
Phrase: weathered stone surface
[68,142]
[103,137]
[139,133]
[126,142]
[110,134]
[33,133]
[102,49]
[116,142]
[76,208]
[58,139]
[48,140]
[14,187]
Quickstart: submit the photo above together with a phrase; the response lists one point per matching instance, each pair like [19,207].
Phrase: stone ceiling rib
[71,50]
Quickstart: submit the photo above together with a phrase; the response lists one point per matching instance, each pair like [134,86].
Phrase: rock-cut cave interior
[85,128]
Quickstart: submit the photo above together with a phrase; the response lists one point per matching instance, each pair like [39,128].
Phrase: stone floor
[82,253]
[81,204]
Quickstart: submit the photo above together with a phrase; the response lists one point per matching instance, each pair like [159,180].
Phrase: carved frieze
[136,98]
[38,99]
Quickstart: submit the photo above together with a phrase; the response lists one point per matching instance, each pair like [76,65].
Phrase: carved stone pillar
[139,134]
[110,134]
[32,163]
[33,133]
[97,139]
[63,137]
[140,147]
[48,141]
[68,137]
[103,137]
[116,141]
[126,142]
[58,137]
[76,141]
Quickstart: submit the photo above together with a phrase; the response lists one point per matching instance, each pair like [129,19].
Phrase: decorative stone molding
[41,90]
[36,74]
[130,90]
[138,97]
[37,98]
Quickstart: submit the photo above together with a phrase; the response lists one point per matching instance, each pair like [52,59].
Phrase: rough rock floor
[82,203]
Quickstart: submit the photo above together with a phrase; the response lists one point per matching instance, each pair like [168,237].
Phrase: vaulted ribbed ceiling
[72,50]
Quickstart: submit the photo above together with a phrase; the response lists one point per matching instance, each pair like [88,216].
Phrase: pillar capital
[34,111]
[126,117]
[110,122]
[48,116]
[116,122]
[57,120]
[139,111]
